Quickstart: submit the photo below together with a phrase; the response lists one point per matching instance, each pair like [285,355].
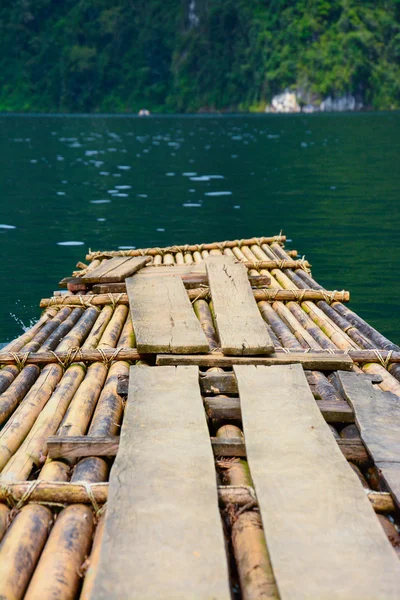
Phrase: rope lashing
[20,361]
[384,362]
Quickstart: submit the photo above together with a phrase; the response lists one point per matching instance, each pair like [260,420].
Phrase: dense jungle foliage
[166,55]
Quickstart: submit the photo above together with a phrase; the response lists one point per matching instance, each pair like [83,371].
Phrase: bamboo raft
[199,421]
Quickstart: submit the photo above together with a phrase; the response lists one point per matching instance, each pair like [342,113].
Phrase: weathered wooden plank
[323,537]
[191,281]
[218,407]
[116,270]
[240,326]
[166,545]
[309,360]
[162,316]
[80,446]
[377,415]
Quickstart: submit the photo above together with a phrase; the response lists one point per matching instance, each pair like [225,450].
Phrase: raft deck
[253,417]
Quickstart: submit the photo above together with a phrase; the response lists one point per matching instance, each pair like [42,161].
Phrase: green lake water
[330,182]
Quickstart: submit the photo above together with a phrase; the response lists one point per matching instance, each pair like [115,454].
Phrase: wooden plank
[163,525]
[377,415]
[323,537]
[162,316]
[240,326]
[310,360]
[116,270]
[80,446]
[218,407]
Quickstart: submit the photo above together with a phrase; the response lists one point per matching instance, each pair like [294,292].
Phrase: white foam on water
[72,243]
[126,247]
[100,201]
[123,187]
[192,204]
[124,167]
[218,193]
[101,219]
[189,174]
[2,226]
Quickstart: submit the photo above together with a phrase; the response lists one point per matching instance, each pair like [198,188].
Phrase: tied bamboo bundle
[186,248]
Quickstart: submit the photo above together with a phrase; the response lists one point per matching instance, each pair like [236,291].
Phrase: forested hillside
[166,55]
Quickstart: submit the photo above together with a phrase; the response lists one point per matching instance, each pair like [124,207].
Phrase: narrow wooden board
[115,269]
[322,535]
[240,325]
[377,415]
[162,316]
[310,360]
[163,535]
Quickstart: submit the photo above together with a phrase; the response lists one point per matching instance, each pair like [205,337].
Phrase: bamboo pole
[10,399]
[105,421]
[81,408]
[75,354]
[7,376]
[90,470]
[203,314]
[198,293]
[77,493]
[18,426]
[57,574]
[54,338]
[114,328]
[21,549]
[252,558]
[33,450]
[4,519]
[98,328]
[47,330]
[186,247]
[127,338]
[80,331]
[54,470]
[93,560]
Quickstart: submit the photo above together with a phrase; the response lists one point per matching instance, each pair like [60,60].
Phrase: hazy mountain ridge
[84,56]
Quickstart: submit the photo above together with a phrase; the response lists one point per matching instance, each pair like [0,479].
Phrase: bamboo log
[58,573]
[82,406]
[75,354]
[114,328]
[252,558]
[90,470]
[54,338]
[93,560]
[7,376]
[186,248]
[98,328]
[106,421]
[21,549]
[203,313]
[47,330]
[80,331]
[275,264]
[77,493]
[338,357]
[18,426]
[4,519]
[54,470]
[198,293]
[127,338]
[10,399]
[32,451]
